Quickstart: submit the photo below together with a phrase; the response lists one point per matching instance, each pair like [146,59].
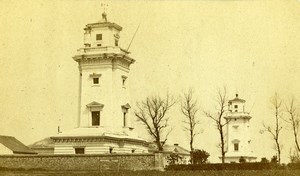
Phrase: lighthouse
[238,132]
[103,124]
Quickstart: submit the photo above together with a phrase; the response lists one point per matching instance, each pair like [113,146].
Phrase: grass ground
[156,173]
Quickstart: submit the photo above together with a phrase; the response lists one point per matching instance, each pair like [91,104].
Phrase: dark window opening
[123,82]
[124,119]
[79,150]
[95,118]
[98,36]
[99,45]
[236,147]
[116,43]
[235,106]
[96,80]
[110,149]
[133,150]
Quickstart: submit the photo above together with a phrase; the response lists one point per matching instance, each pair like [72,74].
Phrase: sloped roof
[44,143]
[237,99]
[170,149]
[15,145]
[94,104]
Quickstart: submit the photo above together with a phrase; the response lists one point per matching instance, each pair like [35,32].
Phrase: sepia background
[249,46]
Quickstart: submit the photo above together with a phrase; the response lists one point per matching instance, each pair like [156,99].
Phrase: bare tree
[293,120]
[218,118]
[152,112]
[275,131]
[189,108]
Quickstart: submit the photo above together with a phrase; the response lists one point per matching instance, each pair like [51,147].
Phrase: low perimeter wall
[113,162]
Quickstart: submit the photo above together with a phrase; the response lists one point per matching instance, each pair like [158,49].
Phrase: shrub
[173,158]
[199,156]
[274,159]
[294,166]
[264,160]
[242,160]
[227,166]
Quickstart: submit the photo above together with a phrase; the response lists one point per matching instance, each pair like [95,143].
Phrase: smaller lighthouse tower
[238,132]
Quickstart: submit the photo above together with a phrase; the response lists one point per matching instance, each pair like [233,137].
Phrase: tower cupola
[237,104]
[102,33]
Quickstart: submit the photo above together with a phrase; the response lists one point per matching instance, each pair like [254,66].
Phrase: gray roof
[15,145]
[170,149]
[44,143]
[237,99]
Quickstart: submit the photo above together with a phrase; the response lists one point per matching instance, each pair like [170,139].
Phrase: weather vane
[104,8]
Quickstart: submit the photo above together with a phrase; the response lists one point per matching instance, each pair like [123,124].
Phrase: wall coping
[73,155]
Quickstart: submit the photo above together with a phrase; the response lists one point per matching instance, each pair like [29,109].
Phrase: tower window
[79,150]
[98,36]
[95,118]
[124,78]
[236,147]
[99,45]
[95,80]
[125,109]
[116,42]
[236,106]
[124,119]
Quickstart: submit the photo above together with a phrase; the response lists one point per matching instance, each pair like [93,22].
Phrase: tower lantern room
[236,104]
[102,34]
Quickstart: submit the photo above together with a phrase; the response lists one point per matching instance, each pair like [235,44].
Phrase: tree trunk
[296,137]
[222,145]
[278,151]
[192,150]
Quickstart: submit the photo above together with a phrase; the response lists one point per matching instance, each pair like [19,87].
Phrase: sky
[249,46]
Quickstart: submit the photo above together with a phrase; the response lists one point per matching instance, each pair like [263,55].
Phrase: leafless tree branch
[218,118]
[152,112]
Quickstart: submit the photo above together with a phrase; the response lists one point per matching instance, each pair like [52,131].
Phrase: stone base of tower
[98,141]
[235,158]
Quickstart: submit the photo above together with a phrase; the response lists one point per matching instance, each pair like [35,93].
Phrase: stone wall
[83,162]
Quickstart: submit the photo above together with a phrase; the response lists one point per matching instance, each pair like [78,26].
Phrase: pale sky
[251,47]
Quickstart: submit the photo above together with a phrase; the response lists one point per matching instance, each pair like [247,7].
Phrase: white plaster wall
[100,93]
[99,148]
[241,106]
[4,150]
[242,133]
[120,96]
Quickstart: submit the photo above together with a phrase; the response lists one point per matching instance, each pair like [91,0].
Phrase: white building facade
[103,122]
[238,132]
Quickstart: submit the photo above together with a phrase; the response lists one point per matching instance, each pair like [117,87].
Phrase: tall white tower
[238,132]
[103,122]
[104,76]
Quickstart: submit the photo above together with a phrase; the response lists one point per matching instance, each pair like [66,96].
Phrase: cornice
[104,59]
[84,139]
